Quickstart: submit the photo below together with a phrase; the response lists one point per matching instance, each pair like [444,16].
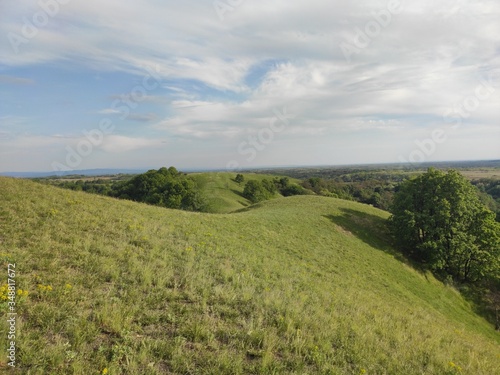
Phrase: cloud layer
[364,80]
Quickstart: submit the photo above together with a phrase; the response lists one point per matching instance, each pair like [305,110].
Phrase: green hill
[224,195]
[299,285]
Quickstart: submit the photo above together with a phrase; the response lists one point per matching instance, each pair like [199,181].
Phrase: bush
[256,191]
[239,178]
[293,189]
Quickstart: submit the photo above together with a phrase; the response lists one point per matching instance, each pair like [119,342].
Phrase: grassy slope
[300,285]
[223,193]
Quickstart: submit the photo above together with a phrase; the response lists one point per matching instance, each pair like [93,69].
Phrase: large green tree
[438,219]
[164,187]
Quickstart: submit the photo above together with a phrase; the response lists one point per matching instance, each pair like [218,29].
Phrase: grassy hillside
[223,193]
[299,285]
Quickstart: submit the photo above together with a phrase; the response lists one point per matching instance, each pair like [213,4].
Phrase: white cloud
[109,111]
[428,59]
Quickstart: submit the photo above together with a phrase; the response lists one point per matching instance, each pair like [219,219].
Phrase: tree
[281,183]
[239,178]
[255,191]
[269,186]
[438,219]
[164,187]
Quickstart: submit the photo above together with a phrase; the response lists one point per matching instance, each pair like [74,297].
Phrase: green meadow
[297,285]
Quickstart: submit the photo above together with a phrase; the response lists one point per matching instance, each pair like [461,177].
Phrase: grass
[299,285]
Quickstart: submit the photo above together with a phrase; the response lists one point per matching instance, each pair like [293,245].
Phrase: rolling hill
[224,195]
[298,285]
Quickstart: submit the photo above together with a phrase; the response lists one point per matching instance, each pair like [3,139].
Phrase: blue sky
[239,84]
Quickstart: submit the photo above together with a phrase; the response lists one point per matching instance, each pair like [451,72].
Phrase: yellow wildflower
[44,287]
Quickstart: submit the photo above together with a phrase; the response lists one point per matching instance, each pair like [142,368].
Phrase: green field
[298,285]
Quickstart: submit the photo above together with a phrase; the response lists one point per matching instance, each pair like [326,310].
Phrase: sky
[236,84]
